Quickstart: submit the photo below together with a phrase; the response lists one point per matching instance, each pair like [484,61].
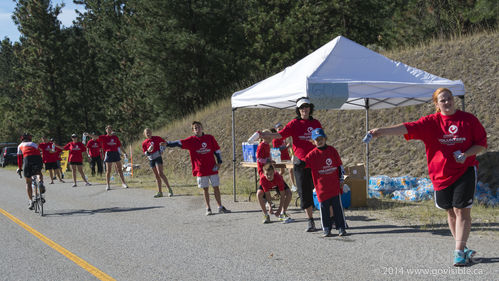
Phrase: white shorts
[204,182]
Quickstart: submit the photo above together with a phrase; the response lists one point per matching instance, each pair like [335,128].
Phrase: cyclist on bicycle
[30,161]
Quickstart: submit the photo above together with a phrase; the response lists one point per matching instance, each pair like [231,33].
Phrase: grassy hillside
[473,59]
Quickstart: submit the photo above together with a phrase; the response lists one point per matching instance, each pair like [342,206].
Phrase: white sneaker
[74,185]
[124,185]
[108,187]
[88,184]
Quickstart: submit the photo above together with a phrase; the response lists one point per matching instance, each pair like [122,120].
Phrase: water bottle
[459,155]
[84,138]
[53,147]
[367,138]
[151,147]
[254,137]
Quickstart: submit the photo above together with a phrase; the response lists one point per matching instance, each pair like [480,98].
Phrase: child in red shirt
[327,173]
[269,180]
[263,152]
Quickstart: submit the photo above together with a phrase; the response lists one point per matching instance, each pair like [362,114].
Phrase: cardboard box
[358,191]
[249,152]
[356,171]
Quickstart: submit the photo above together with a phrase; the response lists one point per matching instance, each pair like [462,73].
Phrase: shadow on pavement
[437,229]
[99,211]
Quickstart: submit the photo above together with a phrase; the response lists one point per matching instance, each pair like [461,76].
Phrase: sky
[9,29]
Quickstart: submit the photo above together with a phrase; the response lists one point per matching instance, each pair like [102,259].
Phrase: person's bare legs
[109,167]
[162,176]
[120,172]
[207,197]
[51,173]
[82,174]
[73,170]
[462,227]
[451,220]
[216,191]
[158,178]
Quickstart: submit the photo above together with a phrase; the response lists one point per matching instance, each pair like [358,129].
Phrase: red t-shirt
[325,172]
[262,156]
[277,182]
[301,132]
[277,143]
[109,143]
[201,150]
[47,154]
[93,147]
[155,142]
[442,135]
[75,151]
[24,150]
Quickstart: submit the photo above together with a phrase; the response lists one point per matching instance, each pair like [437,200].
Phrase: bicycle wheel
[40,202]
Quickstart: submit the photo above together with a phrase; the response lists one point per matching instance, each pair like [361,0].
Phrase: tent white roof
[340,75]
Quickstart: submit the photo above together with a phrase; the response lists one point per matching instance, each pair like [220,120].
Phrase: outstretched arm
[399,129]
[176,143]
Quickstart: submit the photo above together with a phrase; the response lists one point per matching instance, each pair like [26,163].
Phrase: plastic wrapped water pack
[484,194]
[409,188]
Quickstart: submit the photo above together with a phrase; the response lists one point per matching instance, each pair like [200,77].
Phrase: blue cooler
[249,152]
[345,200]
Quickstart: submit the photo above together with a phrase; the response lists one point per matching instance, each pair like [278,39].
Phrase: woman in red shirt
[76,149]
[151,147]
[452,140]
[300,130]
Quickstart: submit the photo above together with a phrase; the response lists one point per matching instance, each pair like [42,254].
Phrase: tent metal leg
[234,154]
[367,148]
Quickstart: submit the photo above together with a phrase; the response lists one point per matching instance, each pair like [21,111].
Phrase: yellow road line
[83,264]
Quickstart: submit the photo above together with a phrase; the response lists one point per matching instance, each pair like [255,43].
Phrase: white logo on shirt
[204,145]
[453,129]
[310,129]
[329,161]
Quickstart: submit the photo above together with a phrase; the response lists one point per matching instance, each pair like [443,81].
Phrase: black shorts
[286,187]
[459,194]
[112,156]
[75,163]
[305,185]
[32,165]
[51,166]
[157,161]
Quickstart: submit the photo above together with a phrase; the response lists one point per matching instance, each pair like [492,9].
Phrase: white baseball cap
[302,101]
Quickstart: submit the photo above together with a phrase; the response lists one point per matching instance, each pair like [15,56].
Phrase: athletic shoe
[266,218]
[208,212]
[285,218]
[222,210]
[88,184]
[31,205]
[327,233]
[108,187]
[159,194]
[124,185]
[342,232]
[469,254]
[170,192]
[311,226]
[62,181]
[460,258]
[74,185]
[41,187]
[51,182]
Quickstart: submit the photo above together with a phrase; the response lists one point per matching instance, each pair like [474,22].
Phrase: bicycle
[38,199]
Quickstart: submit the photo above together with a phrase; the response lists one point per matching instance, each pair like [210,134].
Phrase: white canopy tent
[342,75]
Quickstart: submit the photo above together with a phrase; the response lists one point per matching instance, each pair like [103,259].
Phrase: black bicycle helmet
[26,137]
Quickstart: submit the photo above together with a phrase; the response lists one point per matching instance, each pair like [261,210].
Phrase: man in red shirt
[50,155]
[203,149]
[29,161]
[94,151]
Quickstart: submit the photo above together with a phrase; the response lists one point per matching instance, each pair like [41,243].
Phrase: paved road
[129,235]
